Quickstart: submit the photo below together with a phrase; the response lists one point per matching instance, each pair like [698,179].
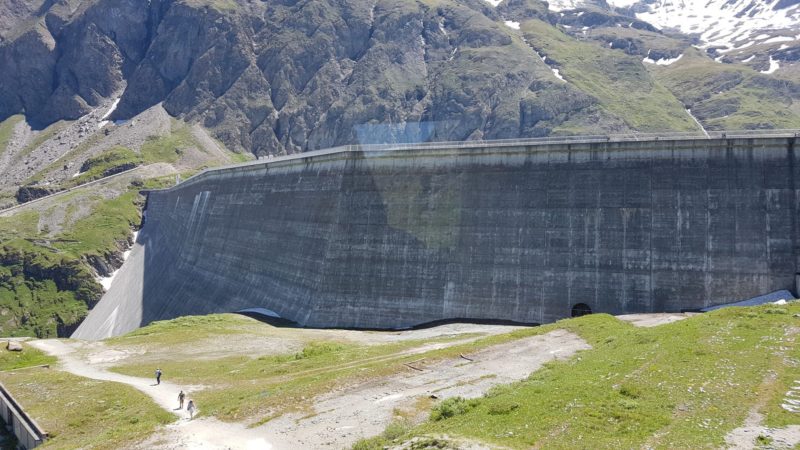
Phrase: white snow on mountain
[724,24]
[773,66]
[561,5]
[661,62]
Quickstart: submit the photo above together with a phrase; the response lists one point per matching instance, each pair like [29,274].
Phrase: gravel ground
[342,416]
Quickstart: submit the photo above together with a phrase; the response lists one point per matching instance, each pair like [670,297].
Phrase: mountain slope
[291,76]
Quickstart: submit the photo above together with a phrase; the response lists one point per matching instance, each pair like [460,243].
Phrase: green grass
[109,223]
[111,161]
[92,226]
[24,224]
[729,96]
[28,357]
[688,383]
[45,284]
[257,388]
[82,413]
[165,333]
[167,148]
[620,82]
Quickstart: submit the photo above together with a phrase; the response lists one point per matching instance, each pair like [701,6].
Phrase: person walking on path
[181,396]
[190,408]
[158,376]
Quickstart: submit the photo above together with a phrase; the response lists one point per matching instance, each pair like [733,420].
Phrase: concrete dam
[393,237]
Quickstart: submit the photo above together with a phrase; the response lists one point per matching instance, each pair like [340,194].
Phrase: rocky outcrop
[296,75]
[28,193]
[289,76]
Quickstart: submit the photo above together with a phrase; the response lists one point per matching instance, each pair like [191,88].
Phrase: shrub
[317,349]
[502,408]
[630,390]
[451,407]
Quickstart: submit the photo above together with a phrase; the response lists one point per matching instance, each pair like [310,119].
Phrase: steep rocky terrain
[288,76]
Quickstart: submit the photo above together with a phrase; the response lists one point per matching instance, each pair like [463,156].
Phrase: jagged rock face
[285,76]
[288,76]
[70,60]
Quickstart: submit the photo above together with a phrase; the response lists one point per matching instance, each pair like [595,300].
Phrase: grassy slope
[259,388]
[729,96]
[44,282]
[28,357]
[82,413]
[620,82]
[34,302]
[683,385]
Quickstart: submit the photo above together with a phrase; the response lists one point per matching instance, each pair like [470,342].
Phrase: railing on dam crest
[543,141]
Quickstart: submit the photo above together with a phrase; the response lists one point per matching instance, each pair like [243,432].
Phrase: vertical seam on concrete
[793,187]
[651,303]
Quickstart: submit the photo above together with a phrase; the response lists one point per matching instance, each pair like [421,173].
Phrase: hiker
[190,408]
[158,376]
[181,396]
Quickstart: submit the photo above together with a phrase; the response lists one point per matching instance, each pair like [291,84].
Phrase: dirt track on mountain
[343,416]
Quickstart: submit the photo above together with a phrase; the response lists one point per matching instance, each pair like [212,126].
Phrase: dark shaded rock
[28,193]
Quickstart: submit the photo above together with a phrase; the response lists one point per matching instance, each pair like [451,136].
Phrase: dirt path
[202,433]
[744,437]
[341,417]
[654,319]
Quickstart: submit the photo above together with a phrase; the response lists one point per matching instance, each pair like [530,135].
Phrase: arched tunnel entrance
[581,309]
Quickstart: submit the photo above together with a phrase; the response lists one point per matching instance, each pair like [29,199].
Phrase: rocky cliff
[287,76]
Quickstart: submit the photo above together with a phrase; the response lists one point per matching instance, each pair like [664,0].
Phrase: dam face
[392,239]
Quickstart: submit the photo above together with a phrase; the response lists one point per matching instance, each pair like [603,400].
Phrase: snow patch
[750,58]
[103,122]
[111,109]
[773,66]
[494,2]
[561,5]
[106,281]
[555,70]
[777,39]
[724,24]
[702,128]
[662,62]
[441,26]
[511,24]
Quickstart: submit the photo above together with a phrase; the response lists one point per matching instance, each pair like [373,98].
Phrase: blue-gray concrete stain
[381,239]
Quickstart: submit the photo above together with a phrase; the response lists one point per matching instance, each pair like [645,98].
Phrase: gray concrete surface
[26,430]
[391,239]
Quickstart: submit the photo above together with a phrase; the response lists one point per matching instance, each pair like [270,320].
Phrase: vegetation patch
[110,162]
[81,413]
[28,357]
[689,383]
[603,73]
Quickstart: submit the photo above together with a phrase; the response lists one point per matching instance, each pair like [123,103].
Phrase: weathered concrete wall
[394,239]
[26,430]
